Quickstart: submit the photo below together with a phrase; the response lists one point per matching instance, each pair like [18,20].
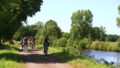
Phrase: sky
[104,13]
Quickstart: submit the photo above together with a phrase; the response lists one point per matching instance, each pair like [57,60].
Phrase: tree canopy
[81,24]
[51,29]
[13,12]
[118,18]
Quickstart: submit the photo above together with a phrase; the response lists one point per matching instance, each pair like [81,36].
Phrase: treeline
[80,36]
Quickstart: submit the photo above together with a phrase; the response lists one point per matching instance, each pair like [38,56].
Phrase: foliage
[102,33]
[51,30]
[106,46]
[24,31]
[118,18]
[98,33]
[13,13]
[70,42]
[85,43]
[112,38]
[66,35]
[62,42]
[81,24]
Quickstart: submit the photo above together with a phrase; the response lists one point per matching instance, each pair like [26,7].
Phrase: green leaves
[13,12]
[118,18]
[81,23]
[118,21]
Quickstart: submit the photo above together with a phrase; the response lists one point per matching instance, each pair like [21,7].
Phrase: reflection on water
[108,56]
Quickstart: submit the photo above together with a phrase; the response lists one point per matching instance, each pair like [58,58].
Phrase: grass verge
[9,57]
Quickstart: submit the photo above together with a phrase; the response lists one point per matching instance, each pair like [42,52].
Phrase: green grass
[9,57]
[78,62]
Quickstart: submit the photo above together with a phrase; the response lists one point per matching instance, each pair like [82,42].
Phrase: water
[108,56]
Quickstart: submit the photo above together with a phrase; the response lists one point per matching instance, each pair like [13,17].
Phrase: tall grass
[9,57]
[106,46]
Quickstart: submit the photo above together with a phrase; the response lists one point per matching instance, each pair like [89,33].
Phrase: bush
[40,40]
[70,42]
[52,40]
[85,43]
[62,42]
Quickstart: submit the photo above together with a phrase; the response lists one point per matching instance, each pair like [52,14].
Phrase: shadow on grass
[11,57]
[3,47]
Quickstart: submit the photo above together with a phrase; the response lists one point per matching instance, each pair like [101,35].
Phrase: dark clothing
[46,45]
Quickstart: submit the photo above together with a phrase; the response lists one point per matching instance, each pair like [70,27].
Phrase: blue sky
[104,13]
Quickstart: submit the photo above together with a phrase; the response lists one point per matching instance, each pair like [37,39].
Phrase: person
[33,42]
[22,42]
[46,45]
[25,44]
[30,42]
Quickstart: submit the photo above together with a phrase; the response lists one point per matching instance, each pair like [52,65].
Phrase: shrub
[62,42]
[52,40]
[85,43]
[70,42]
[40,40]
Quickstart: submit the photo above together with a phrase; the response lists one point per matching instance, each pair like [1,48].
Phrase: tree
[102,33]
[112,38]
[95,33]
[51,29]
[40,28]
[118,18]
[66,35]
[81,24]
[24,31]
[13,12]
[98,33]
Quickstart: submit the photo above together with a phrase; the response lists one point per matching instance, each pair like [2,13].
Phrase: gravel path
[37,59]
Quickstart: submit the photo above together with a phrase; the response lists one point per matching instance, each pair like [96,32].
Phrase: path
[37,59]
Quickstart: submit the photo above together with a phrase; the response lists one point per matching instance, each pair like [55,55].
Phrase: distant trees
[25,31]
[81,24]
[13,12]
[112,38]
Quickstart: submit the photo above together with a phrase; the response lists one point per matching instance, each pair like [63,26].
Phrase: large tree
[13,12]
[81,24]
[51,29]
[118,18]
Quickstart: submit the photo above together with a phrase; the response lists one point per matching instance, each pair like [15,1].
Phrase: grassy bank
[105,46]
[79,61]
[9,57]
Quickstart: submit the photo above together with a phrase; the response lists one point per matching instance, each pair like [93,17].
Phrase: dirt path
[37,59]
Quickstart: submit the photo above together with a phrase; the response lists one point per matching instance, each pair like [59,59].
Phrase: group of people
[27,41]
[30,41]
